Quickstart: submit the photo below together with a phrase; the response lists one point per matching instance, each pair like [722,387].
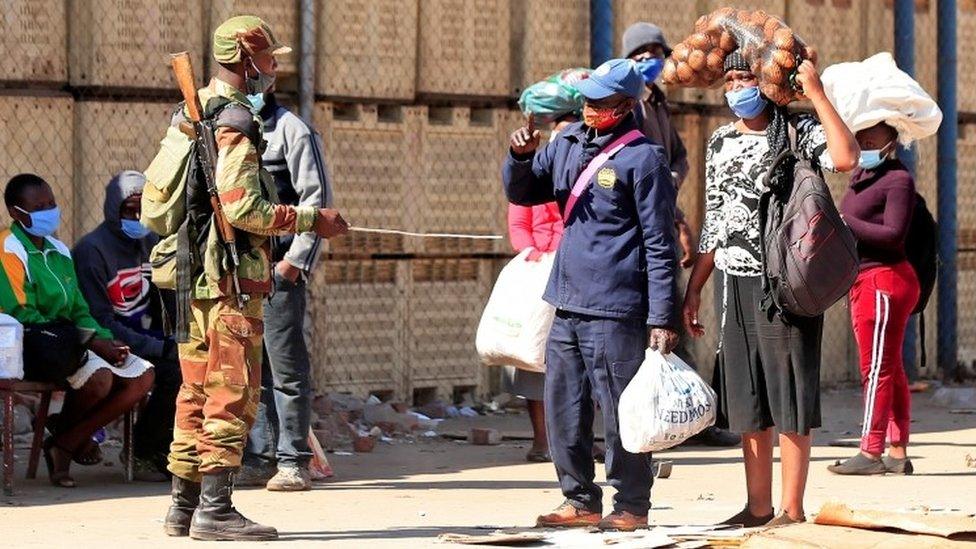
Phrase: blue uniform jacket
[616,258]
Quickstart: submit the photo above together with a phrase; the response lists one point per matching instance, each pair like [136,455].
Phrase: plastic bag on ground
[515,324]
[876,90]
[665,404]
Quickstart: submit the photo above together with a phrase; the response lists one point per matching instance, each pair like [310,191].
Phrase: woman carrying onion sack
[769,367]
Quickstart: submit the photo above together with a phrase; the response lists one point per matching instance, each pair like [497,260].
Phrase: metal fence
[414,100]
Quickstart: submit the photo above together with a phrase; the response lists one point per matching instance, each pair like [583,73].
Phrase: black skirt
[768,369]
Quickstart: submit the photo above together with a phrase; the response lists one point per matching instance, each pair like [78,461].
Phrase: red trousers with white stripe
[882,299]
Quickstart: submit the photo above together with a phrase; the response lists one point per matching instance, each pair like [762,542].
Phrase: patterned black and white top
[735,165]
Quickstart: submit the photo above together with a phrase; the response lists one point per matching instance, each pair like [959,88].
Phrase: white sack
[515,324]
[665,404]
[876,90]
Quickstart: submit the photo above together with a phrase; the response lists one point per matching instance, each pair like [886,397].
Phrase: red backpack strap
[583,181]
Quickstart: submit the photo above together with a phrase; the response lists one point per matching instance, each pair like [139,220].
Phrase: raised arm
[527,174]
[841,145]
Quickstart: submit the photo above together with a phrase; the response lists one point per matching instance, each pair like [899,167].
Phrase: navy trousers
[591,358]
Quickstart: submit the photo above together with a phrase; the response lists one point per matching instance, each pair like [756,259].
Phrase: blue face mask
[43,222]
[650,69]
[746,103]
[873,158]
[257,102]
[134,230]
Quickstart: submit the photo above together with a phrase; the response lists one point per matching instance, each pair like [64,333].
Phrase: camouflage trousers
[218,399]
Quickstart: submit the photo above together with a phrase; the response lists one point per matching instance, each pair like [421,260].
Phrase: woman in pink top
[539,228]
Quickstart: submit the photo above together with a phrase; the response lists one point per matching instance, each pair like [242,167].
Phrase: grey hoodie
[114,274]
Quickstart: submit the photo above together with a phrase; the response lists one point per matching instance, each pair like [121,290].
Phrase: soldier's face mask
[259,83]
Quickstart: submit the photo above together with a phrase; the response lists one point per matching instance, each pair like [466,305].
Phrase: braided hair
[777,132]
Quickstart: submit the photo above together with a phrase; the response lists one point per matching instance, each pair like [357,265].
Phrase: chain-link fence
[414,100]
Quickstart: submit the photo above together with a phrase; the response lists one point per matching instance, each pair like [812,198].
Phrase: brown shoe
[568,515]
[783,519]
[623,521]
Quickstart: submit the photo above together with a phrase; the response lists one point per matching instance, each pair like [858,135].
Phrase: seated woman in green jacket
[62,342]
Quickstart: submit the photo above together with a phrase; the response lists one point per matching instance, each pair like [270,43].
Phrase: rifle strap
[184,284]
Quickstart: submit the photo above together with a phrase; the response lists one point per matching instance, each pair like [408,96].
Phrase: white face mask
[261,83]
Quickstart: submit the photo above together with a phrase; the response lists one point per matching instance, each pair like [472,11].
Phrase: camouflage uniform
[221,363]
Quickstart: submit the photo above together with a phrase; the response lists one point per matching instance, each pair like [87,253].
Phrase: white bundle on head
[875,90]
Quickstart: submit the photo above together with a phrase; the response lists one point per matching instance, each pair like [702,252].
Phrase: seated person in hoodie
[62,342]
[113,269]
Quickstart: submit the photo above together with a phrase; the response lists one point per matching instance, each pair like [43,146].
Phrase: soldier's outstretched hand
[329,223]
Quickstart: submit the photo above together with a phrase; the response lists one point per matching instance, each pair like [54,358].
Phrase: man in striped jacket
[294,157]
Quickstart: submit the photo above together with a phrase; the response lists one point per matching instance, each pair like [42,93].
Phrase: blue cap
[614,76]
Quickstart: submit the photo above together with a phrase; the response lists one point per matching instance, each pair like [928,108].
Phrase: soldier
[221,363]
[277,452]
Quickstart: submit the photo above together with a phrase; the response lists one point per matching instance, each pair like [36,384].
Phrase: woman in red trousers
[878,208]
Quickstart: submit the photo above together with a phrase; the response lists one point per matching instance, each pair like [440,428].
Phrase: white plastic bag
[516,322]
[11,348]
[876,90]
[665,404]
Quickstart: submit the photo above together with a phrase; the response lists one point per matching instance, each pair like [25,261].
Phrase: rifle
[203,134]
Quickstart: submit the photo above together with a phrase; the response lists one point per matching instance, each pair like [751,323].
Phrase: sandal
[538,456]
[60,479]
[91,454]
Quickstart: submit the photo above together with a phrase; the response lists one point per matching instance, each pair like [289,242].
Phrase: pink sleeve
[520,227]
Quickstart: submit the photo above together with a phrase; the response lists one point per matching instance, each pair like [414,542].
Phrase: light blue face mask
[134,230]
[257,102]
[650,69]
[43,222]
[871,159]
[746,103]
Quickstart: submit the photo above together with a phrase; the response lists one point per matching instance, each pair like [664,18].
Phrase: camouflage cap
[247,34]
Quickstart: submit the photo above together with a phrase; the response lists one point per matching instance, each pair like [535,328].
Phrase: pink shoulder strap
[583,181]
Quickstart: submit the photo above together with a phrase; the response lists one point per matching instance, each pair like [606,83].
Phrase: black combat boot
[186,497]
[216,519]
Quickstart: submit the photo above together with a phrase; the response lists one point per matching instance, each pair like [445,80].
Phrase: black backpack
[809,254]
[922,249]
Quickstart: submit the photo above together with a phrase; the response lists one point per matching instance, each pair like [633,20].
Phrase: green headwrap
[554,97]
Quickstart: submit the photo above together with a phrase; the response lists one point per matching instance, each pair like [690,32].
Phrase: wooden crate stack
[464,48]
[358,314]
[109,137]
[547,36]
[35,137]
[367,49]
[445,298]
[373,155]
[114,44]
[966,327]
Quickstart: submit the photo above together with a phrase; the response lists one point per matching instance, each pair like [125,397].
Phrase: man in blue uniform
[612,285]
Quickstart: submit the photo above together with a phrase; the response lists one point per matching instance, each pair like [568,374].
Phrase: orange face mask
[601,119]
